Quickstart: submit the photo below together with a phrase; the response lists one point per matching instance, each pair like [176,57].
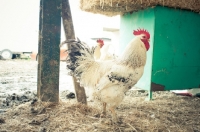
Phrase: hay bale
[119,7]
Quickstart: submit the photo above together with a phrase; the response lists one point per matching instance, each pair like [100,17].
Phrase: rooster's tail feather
[78,52]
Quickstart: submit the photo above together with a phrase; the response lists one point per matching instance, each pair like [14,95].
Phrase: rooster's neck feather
[134,54]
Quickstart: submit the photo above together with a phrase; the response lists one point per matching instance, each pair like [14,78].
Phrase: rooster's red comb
[100,41]
[141,31]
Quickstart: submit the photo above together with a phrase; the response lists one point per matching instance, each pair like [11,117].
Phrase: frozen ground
[20,77]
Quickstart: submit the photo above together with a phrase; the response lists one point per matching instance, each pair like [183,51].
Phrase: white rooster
[107,52]
[97,50]
[109,79]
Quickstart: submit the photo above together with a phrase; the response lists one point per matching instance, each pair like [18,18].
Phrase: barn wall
[131,21]
[176,57]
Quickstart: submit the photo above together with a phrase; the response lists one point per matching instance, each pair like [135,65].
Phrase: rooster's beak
[148,40]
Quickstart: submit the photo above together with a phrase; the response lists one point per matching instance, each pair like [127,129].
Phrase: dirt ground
[21,111]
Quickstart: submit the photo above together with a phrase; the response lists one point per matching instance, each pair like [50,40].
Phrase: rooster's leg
[114,115]
[103,114]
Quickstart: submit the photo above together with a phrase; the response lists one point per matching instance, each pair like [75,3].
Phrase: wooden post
[49,51]
[39,49]
[69,34]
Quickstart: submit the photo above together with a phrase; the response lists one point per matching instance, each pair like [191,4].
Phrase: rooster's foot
[103,115]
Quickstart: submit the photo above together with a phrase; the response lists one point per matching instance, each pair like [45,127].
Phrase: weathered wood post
[69,34]
[49,51]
